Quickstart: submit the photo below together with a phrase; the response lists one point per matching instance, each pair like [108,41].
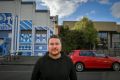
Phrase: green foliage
[82,36]
[89,33]
[68,39]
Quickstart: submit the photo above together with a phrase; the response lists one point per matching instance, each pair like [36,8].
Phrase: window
[103,40]
[116,40]
[86,53]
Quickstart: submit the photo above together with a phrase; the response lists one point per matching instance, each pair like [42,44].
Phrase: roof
[118,28]
[27,2]
[105,26]
[41,10]
[99,25]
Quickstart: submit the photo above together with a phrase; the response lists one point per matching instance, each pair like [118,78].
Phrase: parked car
[89,59]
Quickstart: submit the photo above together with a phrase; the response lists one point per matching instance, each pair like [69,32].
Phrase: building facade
[108,33]
[23,29]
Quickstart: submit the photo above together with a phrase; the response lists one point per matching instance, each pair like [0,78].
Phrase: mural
[39,53]
[40,47]
[41,35]
[6,21]
[25,47]
[41,38]
[26,25]
[25,38]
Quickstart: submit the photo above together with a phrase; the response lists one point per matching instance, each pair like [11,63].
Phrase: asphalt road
[23,72]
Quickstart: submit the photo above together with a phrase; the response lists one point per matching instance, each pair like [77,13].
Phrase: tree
[88,33]
[63,34]
[82,36]
[69,38]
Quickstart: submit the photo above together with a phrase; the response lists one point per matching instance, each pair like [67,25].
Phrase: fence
[111,52]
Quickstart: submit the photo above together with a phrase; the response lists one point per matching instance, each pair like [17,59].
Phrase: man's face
[54,46]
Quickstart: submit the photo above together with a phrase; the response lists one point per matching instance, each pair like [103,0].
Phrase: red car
[89,59]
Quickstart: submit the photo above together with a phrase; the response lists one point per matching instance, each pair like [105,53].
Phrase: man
[54,65]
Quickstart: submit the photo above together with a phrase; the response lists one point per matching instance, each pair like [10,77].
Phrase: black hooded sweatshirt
[47,68]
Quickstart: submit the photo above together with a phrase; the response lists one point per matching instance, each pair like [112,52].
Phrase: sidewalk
[19,60]
[1,59]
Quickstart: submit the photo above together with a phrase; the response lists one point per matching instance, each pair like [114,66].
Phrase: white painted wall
[41,18]
[7,6]
[27,11]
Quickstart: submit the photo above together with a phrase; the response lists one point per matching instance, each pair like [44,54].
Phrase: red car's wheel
[116,66]
[79,67]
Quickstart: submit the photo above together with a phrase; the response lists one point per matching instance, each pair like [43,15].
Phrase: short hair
[54,36]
